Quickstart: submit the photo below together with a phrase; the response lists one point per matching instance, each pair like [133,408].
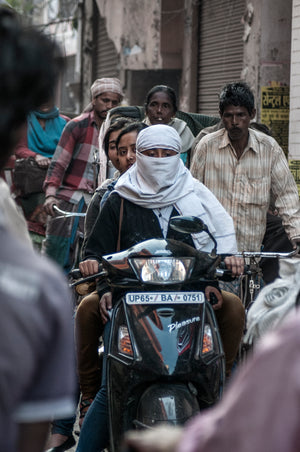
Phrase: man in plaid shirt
[72,175]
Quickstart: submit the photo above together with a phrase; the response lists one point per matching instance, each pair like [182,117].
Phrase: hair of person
[117,124]
[30,64]
[238,94]
[164,89]
[261,128]
[133,127]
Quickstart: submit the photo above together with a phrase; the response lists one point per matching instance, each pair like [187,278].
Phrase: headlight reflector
[163,270]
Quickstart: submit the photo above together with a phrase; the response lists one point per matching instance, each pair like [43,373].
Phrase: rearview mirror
[187,225]
[192,225]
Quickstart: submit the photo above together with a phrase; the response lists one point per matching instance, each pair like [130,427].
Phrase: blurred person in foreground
[36,359]
[259,412]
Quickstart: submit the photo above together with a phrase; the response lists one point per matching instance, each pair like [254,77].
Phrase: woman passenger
[161,107]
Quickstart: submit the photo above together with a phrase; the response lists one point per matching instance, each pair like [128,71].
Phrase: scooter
[165,358]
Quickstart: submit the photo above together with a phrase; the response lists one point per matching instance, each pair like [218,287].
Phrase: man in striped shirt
[72,175]
[245,168]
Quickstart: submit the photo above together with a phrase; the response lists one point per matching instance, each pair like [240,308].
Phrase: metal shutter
[220,49]
[106,60]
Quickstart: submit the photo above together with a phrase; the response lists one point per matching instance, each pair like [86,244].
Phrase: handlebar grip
[224,274]
[75,273]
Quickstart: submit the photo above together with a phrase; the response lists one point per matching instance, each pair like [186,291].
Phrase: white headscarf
[160,182]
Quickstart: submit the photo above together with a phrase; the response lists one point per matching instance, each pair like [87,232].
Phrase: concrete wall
[267,44]
[294,131]
[134,27]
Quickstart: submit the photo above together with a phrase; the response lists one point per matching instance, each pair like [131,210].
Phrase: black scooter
[165,359]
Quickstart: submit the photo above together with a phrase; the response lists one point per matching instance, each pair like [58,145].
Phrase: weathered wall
[275,41]
[134,27]
[294,131]
[267,44]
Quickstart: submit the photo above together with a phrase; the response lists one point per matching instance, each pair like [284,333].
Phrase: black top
[138,224]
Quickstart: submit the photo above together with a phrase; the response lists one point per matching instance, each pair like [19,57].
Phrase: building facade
[195,46]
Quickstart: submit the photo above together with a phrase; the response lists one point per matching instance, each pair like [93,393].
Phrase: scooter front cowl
[165,360]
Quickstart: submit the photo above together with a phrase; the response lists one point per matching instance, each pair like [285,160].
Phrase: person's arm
[22,151]
[104,235]
[198,161]
[32,437]
[285,192]
[58,166]
[91,216]
[61,160]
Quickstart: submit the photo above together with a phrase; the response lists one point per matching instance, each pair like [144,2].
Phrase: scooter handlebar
[77,275]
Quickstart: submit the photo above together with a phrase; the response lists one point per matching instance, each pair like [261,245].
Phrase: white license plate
[164,297]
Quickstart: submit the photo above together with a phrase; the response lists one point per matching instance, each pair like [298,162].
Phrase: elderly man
[72,175]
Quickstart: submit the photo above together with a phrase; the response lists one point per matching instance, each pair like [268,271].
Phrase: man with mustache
[245,169]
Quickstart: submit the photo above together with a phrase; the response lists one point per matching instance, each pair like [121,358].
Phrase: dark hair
[237,94]
[133,127]
[261,128]
[30,64]
[165,89]
[117,124]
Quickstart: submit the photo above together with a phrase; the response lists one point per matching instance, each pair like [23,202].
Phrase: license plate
[164,297]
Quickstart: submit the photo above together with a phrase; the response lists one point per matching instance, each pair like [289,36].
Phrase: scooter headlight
[162,270]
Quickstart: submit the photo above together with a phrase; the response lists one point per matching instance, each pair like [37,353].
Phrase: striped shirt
[71,172]
[245,186]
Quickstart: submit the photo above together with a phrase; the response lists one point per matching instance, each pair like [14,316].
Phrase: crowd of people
[100,163]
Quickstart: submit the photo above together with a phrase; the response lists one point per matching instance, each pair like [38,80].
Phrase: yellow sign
[295,170]
[275,109]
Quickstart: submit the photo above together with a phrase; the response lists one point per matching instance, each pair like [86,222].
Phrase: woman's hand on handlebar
[50,201]
[89,267]
[105,306]
[235,264]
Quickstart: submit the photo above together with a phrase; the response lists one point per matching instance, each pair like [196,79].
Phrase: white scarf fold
[159,182]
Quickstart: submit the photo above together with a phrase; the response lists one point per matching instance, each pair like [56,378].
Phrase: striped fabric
[244,186]
[71,172]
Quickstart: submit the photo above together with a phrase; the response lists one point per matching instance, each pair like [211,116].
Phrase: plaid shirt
[245,186]
[71,172]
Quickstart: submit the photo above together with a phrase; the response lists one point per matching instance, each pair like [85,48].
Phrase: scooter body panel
[168,378]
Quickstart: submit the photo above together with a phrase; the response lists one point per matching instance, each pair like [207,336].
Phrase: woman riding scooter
[157,187]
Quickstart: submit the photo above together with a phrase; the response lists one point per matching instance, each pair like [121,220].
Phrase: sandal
[84,406]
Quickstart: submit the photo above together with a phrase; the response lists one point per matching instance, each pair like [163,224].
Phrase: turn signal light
[207,343]
[124,342]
